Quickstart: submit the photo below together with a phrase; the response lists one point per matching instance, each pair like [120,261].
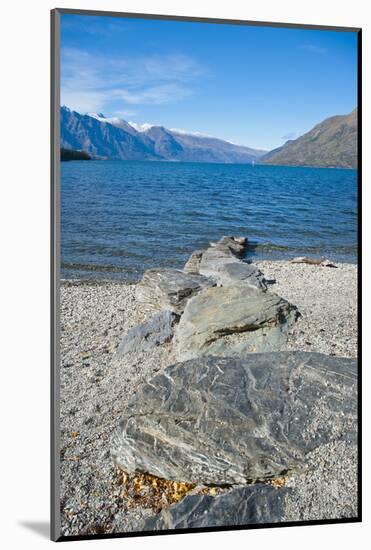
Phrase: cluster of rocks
[236,410]
[217,305]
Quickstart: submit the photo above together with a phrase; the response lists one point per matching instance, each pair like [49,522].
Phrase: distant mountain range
[115,138]
[332,143]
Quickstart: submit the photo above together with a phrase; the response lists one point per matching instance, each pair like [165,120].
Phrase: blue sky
[255,86]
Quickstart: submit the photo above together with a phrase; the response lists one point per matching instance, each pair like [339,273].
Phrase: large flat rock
[169,289]
[233,320]
[250,505]
[216,420]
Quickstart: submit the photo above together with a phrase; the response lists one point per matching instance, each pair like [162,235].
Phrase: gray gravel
[95,388]
[328,489]
[327,300]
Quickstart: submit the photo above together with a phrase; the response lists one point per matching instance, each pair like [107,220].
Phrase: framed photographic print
[206,254]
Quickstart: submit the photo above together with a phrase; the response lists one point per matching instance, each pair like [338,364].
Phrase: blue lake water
[119,218]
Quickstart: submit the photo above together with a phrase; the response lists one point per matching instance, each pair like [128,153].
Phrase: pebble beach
[95,389]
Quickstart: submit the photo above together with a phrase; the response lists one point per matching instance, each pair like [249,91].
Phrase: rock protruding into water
[227,249]
[233,320]
[222,263]
[250,505]
[158,330]
[170,289]
[236,246]
[216,420]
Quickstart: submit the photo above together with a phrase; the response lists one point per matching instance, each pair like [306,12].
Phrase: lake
[119,218]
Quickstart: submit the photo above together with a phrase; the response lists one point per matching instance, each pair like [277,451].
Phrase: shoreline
[259,262]
[95,388]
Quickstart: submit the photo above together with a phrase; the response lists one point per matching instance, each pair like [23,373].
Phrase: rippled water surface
[119,218]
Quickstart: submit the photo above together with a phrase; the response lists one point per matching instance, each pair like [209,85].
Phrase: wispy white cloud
[154,95]
[90,82]
[186,132]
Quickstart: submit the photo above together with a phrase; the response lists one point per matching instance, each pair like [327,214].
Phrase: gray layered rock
[236,246]
[227,249]
[233,320]
[222,262]
[193,263]
[169,289]
[216,420]
[156,331]
[213,259]
[248,505]
[241,272]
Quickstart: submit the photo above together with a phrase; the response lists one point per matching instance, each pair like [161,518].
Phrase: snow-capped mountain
[116,138]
